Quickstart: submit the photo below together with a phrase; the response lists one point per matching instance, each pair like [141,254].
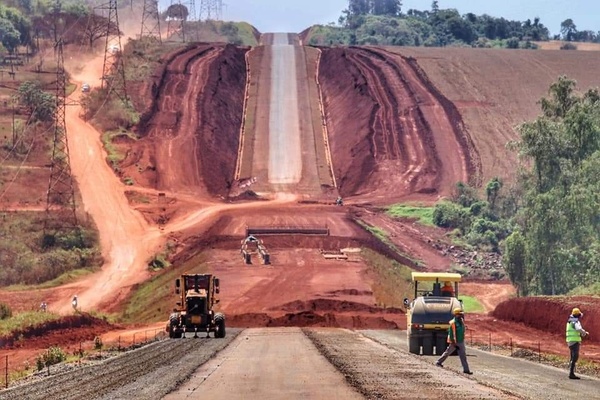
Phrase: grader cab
[195,313]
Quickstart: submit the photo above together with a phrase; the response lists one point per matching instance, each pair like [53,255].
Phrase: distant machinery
[253,245]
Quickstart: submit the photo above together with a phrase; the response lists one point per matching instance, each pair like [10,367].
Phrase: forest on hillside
[384,22]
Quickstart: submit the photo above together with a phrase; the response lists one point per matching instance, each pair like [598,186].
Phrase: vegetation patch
[28,261]
[471,304]
[153,300]
[22,321]
[392,280]
[420,213]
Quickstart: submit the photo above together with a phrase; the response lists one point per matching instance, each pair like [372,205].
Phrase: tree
[492,190]
[568,29]
[177,11]
[515,262]
[10,36]
[96,28]
[40,104]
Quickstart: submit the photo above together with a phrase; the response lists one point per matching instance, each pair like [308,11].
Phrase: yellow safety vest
[572,334]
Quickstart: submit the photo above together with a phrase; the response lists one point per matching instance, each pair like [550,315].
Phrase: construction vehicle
[428,315]
[195,310]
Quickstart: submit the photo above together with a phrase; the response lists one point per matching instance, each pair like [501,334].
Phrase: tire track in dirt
[400,130]
[414,144]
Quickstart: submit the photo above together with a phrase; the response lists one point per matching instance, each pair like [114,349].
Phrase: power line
[151,20]
[60,201]
[113,71]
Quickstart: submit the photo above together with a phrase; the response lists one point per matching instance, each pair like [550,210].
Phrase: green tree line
[556,244]
[547,224]
[381,22]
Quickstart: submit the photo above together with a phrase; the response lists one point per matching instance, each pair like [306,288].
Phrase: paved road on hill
[285,157]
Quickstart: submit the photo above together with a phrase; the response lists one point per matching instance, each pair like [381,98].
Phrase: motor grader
[428,315]
[194,312]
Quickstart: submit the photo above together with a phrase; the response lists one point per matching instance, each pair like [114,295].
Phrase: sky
[297,15]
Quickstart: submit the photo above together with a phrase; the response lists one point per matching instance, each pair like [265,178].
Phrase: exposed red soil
[408,142]
[496,90]
[194,113]
[550,314]
[396,133]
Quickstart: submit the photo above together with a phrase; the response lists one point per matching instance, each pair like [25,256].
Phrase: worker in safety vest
[574,334]
[456,340]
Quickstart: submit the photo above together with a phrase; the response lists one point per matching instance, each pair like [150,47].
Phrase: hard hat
[576,311]
[458,311]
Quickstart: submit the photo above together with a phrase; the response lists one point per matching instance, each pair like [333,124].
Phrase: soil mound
[550,313]
[330,305]
[71,329]
[310,319]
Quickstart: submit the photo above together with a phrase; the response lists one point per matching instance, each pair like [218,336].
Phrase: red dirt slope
[393,135]
[550,313]
[195,113]
[495,90]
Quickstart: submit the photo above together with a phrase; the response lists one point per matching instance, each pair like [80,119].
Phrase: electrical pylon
[211,10]
[193,18]
[113,72]
[176,25]
[60,200]
[150,20]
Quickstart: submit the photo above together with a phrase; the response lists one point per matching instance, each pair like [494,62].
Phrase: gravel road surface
[521,378]
[291,363]
[149,372]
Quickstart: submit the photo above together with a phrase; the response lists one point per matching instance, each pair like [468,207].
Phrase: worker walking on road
[456,340]
[574,334]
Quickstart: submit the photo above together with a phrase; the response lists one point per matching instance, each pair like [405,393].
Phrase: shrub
[450,215]
[568,46]
[5,311]
[98,343]
[53,355]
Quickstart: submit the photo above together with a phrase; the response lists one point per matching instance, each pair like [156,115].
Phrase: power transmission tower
[113,72]
[176,20]
[211,10]
[150,20]
[193,18]
[60,200]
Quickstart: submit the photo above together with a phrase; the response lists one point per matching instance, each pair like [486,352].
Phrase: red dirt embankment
[393,135]
[195,112]
[550,314]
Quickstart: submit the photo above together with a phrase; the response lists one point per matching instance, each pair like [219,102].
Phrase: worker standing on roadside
[456,340]
[574,334]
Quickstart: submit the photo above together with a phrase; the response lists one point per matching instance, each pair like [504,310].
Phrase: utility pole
[60,201]
[151,20]
[113,72]
[176,21]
